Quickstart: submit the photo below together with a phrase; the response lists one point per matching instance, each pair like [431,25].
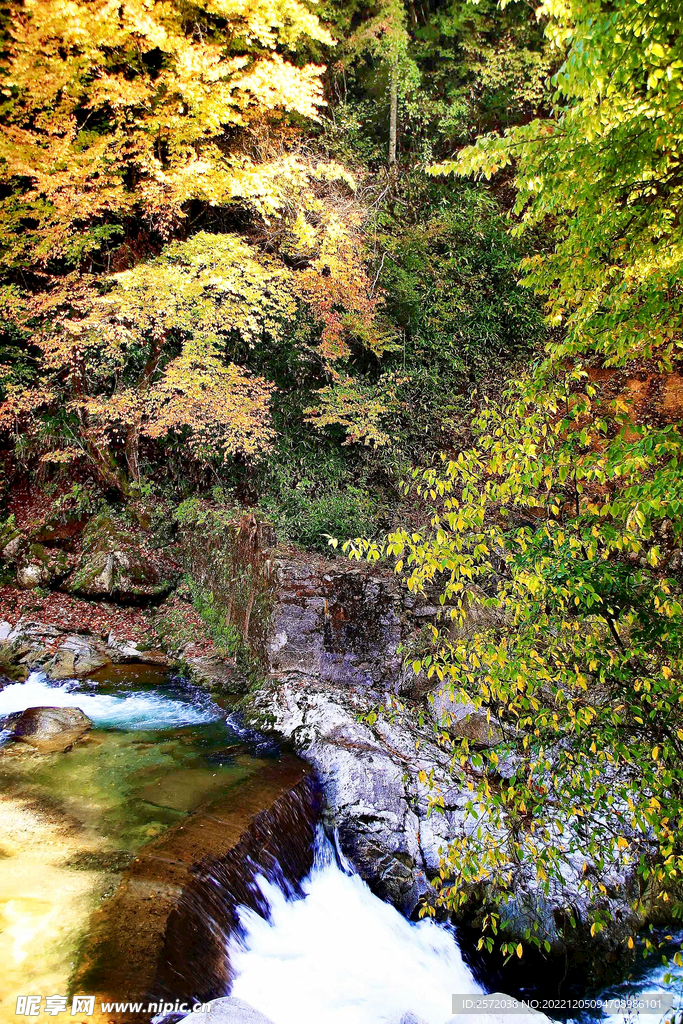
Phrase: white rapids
[144,709]
[342,956]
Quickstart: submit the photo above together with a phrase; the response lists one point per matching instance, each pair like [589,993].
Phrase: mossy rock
[131,574]
[107,532]
[40,567]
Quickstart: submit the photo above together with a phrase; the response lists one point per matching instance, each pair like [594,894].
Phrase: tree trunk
[105,464]
[134,430]
[133,452]
[393,114]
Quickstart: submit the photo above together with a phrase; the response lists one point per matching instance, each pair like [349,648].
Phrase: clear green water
[71,822]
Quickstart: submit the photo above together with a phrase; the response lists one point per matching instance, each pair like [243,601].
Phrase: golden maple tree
[124,125]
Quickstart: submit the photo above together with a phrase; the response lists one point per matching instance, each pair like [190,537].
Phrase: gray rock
[119,651]
[371,778]
[48,730]
[342,626]
[31,575]
[462,720]
[478,616]
[212,672]
[32,645]
[11,551]
[39,566]
[76,657]
[26,645]
[227,1010]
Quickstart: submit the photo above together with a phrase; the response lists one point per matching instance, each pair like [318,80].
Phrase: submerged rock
[228,1010]
[48,730]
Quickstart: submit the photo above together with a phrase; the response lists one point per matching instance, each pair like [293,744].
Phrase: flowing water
[331,953]
[125,706]
[71,822]
[342,956]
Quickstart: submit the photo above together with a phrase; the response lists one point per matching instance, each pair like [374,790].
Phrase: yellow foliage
[119,107]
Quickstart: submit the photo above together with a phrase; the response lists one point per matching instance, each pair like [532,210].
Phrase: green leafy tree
[565,516]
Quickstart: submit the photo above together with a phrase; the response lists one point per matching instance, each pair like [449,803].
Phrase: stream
[325,952]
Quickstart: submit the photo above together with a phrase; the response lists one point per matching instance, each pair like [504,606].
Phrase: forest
[401,280]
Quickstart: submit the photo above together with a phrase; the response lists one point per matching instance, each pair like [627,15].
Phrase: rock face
[334,651]
[334,656]
[463,720]
[371,780]
[48,730]
[339,626]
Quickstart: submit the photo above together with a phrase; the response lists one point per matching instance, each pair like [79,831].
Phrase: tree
[565,515]
[123,113]
[383,36]
[128,126]
[150,357]
[602,176]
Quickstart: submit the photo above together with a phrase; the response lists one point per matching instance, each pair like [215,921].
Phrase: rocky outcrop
[116,562]
[48,730]
[371,778]
[461,719]
[61,654]
[337,639]
[336,624]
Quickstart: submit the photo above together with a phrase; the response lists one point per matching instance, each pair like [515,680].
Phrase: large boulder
[76,657]
[26,645]
[117,562]
[61,655]
[215,673]
[48,730]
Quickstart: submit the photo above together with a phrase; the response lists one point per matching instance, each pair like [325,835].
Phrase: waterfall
[340,955]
